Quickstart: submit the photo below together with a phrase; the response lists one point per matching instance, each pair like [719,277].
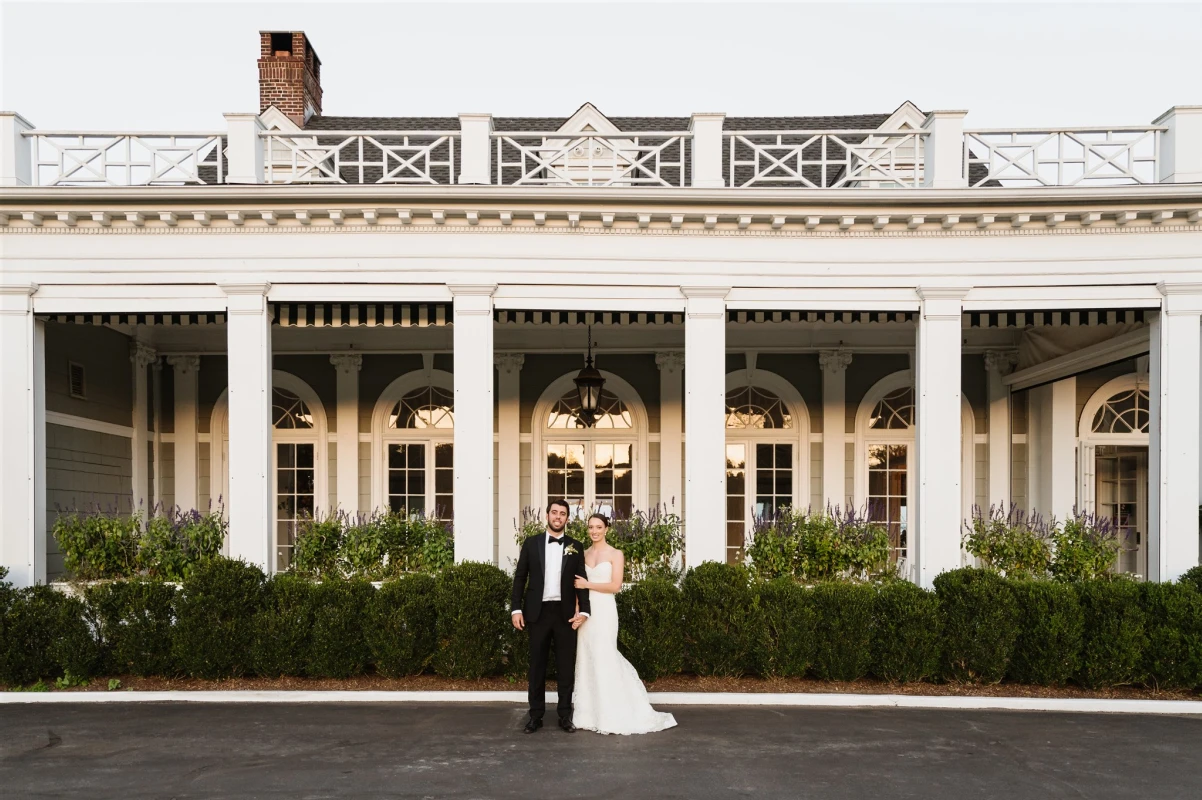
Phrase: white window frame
[865,436]
[798,436]
[382,435]
[1088,441]
[541,435]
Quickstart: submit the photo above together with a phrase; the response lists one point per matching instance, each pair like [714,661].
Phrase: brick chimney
[289,75]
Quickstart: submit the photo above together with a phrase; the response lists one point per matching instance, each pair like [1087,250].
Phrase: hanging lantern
[589,384]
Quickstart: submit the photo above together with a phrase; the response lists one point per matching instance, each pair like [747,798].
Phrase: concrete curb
[1077,705]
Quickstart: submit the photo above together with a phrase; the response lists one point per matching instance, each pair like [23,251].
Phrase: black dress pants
[551,626]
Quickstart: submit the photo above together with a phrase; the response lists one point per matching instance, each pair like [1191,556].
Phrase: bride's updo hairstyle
[598,515]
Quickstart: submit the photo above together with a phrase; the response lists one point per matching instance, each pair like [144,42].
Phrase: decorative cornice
[508,363]
[184,364]
[670,361]
[834,360]
[347,363]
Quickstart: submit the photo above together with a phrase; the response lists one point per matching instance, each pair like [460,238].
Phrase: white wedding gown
[609,697]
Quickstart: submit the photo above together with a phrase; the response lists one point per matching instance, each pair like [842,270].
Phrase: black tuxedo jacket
[528,579]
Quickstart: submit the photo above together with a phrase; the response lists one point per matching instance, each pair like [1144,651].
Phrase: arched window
[298,457]
[767,437]
[600,467]
[884,471]
[413,432]
[1113,463]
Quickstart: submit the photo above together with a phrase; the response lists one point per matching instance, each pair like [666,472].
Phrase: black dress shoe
[532,726]
[567,726]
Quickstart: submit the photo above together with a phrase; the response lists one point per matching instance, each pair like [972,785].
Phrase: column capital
[473,299]
[670,361]
[1001,362]
[347,363]
[17,298]
[509,363]
[834,360]
[142,354]
[942,302]
[184,364]
[1181,298]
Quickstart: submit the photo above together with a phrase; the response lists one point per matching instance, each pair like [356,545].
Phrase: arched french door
[413,445]
[1112,454]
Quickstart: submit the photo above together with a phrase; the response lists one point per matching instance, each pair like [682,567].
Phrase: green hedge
[980,624]
[227,620]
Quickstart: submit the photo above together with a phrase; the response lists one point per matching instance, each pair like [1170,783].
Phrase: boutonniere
[570,550]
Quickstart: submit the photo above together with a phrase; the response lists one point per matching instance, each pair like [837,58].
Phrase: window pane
[887,498]
[444,481]
[443,455]
[285,481]
[304,455]
[624,481]
[396,456]
[285,455]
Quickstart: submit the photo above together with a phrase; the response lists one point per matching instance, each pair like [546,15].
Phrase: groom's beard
[557,528]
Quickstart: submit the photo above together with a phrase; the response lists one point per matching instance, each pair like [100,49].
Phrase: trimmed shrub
[284,626]
[650,627]
[1173,659]
[1192,577]
[906,635]
[980,625]
[472,620]
[399,625]
[843,630]
[215,619]
[337,648]
[1050,630]
[98,545]
[788,628]
[1112,652]
[135,621]
[318,542]
[175,541]
[45,634]
[723,627]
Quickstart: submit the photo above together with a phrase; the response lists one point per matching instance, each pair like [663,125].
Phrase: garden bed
[673,683]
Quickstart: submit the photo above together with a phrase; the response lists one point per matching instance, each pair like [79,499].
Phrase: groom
[546,605]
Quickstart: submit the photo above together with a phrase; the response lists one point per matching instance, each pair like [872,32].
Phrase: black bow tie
[552,540]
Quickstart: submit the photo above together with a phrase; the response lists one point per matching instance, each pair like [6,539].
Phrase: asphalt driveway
[476,751]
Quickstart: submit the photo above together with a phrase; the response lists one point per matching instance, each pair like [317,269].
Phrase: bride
[609,696]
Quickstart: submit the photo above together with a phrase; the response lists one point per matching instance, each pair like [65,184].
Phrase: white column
[834,365]
[944,158]
[475,141]
[248,327]
[244,154]
[142,356]
[16,150]
[348,366]
[1173,459]
[22,438]
[509,455]
[998,364]
[184,371]
[1052,446]
[473,335]
[935,533]
[1181,145]
[671,429]
[156,447]
[704,416]
[707,150]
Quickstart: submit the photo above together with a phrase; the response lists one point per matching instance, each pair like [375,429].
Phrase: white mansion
[302,313]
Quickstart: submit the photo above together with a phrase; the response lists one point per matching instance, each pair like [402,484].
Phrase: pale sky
[180,65]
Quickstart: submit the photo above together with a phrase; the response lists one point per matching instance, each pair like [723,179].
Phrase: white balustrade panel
[423,157]
[825,159]
[558,159]
[126,159]
[1062,157]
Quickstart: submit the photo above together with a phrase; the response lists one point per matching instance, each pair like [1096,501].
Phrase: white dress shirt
[552,571]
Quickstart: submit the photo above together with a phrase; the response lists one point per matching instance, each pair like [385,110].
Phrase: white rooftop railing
[941,154]
[88,158]
[1063,156]
[418,157]
[825,159]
